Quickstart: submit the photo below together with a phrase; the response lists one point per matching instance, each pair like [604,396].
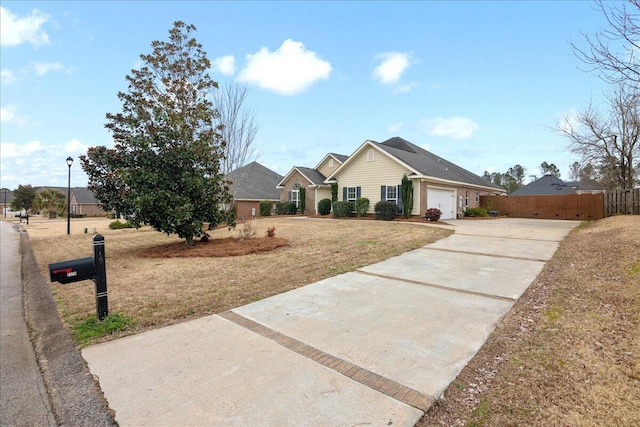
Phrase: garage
[443,200]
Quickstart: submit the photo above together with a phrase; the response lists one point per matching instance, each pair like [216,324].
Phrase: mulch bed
[230,246]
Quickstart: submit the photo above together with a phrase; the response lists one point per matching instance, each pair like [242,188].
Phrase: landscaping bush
[433,214]
[362,206]
[286,208]
[265,208]
[324,207]
[117,225]
[342,209]
[385,211]
[476,212]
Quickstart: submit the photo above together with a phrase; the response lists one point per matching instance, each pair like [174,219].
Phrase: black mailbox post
[75,270]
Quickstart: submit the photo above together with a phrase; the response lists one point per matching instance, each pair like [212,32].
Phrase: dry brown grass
[156,292]
[568,353]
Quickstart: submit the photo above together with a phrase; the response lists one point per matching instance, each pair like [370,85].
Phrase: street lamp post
[69,163]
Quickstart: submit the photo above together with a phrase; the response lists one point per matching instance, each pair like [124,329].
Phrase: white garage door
[443,200]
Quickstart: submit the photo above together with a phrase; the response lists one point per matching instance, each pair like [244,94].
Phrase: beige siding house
[375,171]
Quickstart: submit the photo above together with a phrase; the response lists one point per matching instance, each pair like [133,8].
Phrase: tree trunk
[189,241]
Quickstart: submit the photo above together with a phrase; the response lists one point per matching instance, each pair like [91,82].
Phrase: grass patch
[91,328]
[160,291]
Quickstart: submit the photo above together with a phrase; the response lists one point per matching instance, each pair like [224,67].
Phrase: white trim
[325,158]
[295,168]
[369,143]
[427,179]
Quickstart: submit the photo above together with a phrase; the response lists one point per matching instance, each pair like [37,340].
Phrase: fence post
[102,305]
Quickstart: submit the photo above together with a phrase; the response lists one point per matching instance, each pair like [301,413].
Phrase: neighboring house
[82,200]
[6,196]
[84,203]
[250,185]
[550,185]
[313,180]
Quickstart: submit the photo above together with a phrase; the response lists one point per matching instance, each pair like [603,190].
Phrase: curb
[75,396]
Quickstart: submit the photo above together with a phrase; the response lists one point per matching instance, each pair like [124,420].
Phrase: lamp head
[69,161]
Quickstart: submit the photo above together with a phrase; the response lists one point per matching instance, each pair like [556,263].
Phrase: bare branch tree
[614,52]
[609,140]
[238,128]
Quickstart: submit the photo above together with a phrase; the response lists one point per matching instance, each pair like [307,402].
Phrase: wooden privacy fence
[568,206]
[622,202]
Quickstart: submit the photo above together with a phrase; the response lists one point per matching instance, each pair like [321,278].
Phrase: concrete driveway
[372,347]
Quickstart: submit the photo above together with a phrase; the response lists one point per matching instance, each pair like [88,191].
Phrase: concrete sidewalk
[372,347]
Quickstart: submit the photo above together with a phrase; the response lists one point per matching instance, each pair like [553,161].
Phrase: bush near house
[286,208]
[433,214]
[362,206]
[476,212]
[117,225]
[324,207]
[265,207]
[385,211]
[342,209]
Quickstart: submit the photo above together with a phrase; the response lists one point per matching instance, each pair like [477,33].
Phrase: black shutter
[358,192]
[344,194]
[383,193]
[399,194]
[289,196]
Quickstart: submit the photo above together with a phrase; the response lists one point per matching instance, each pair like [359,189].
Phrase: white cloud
[437,86]
[10,149]
[8,115]
[42,68]
[289,70]
[7,77]
[395,128]
[405,88]
[75,146]
[452,127]
[393,65]
[224,65]
[490,169]
[15,30]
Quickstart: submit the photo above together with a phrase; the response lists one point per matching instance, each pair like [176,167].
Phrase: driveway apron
[372,347]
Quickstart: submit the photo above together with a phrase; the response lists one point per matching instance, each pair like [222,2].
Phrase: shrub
[303,200]
[342,209]
[271,231]
[286,208]
[476,212]
[246,232]
[117,225]
[265,208]
[362,206]
[111,215]
[385,210]
[324,207]
[433,214]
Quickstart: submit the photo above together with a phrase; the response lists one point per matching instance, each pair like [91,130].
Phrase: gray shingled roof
[429,164]
[254,182]
[83,195]
[313,175]
[547,185]
[341,157]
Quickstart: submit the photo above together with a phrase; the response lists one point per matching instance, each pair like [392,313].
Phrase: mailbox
[73,270]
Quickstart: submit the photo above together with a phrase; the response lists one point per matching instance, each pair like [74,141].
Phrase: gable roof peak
[400,144]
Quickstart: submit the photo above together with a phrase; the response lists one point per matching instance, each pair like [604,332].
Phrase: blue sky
[478,83]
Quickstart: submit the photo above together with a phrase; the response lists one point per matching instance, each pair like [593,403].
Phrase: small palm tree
[51,201]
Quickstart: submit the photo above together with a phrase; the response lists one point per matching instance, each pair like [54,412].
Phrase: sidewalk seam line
[433,285]
[365,378]
[489,255]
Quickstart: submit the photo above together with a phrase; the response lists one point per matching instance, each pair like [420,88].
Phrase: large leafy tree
[23,198]
[164,169]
